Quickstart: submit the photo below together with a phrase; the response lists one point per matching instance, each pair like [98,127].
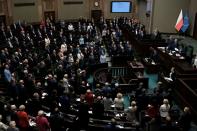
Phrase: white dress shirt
[164,110]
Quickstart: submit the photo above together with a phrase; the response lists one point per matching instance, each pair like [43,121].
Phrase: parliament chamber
[96,65]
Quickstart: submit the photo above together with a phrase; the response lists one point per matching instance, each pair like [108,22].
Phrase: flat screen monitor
[121,6]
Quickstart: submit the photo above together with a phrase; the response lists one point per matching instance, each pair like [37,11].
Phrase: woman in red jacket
[89,97]
[23,120]
[42,122]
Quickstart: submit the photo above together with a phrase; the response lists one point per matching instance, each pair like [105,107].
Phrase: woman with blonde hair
[119,102]
[164,109]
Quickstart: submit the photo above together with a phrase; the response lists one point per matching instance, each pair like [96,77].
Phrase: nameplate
[23,4]
[73,2]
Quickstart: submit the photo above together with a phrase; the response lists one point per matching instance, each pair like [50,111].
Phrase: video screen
[121,6]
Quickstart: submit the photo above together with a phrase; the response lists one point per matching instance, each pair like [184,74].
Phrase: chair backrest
[189,51]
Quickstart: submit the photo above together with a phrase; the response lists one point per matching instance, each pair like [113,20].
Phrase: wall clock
[96,3]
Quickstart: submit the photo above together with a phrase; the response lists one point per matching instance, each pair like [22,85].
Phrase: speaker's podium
[96,15]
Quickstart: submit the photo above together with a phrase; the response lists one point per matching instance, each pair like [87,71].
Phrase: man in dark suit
[185,119]
[83,115]
[98,108]
[112,126]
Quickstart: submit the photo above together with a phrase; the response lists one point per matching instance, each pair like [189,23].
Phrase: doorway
[195,28]
[96,15]
[49,15]
[2,20]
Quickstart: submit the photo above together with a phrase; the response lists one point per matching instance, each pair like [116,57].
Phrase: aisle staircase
[3,92]
[108,58]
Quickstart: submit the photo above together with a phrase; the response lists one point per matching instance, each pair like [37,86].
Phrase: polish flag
[179,23]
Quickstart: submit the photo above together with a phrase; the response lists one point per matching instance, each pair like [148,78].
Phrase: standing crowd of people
[45,68]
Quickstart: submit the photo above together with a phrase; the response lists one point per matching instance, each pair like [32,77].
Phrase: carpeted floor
[152,81]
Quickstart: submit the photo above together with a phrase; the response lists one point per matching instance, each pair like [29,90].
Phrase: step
[2,93]
[108,59]
[3,88]
[109,64]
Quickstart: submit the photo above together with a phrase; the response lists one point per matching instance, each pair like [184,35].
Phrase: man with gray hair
[12,126]
[42,122]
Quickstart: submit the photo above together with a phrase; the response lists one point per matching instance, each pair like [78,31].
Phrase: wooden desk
[97,124]
[120,61]
[181,66]
[167,61]
[151,67]
[136,66]
[186,94]
[175,56]
[185,68]
[142,46]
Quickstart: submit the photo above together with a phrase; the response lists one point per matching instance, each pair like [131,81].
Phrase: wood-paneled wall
[33,10]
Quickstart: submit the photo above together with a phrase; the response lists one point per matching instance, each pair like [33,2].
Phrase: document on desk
[32,123]
[178,55]
[112,106]
[146,59]
[168,79]
[78,99]
[181,57]
[119,126]
[176,49]
[48,114]
[161,48]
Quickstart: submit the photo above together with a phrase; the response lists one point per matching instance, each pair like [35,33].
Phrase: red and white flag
[179,23]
